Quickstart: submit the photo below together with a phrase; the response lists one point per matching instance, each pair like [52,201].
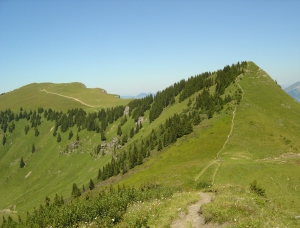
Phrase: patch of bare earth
[193,218]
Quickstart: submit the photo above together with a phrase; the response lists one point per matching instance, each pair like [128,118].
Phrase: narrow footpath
[73,98]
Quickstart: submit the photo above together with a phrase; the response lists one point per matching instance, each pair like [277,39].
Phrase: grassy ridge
[34,95]
[265,142]
[264,146]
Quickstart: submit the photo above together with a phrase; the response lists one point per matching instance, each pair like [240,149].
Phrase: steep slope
[258,139]
[294,91]
[264,144]
[58,156]
[248,130]
[58,97]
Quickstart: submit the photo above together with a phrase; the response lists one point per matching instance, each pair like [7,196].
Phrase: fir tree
[137,128]
[99,177]
[26,129]
[33,148]
[36,132]
[119,130]
[197,119]
[131,132]
[75,191]
[58,137]
[22,163]
[3,140]
[103,137]
[91,185]
[47,201]
[159,147]
[70,134]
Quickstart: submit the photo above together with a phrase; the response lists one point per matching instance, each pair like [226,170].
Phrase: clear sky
[129,47]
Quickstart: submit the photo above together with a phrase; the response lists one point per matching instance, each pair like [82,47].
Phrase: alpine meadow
[225,143]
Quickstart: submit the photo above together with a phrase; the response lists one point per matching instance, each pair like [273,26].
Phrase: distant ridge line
[73,98]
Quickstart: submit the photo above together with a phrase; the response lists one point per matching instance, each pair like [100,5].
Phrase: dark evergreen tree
[70,134]
[139,158]
[119,130]
[188,128]
[58,137]
[91,185]
[26,129]
[131,132]
[22,163]
[75,191]
[197,119]
[3,140]
[103,137]
[137,128]
[99,177]
[159,146]
[47,201]
[36,132]
[77,137]
[33,148]
[124,139]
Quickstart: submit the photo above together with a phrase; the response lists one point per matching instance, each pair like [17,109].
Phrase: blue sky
[129,47]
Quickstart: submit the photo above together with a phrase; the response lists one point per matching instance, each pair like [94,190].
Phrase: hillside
[217,132]
[294,91]
[59,97]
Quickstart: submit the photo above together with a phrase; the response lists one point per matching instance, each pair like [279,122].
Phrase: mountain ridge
[246,137]
[294,91]
[48,95]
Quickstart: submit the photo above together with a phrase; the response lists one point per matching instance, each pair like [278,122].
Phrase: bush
[256,189]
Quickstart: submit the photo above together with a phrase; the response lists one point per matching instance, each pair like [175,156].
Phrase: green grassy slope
[46,172]
[265,141]
[58,97]
[264,146]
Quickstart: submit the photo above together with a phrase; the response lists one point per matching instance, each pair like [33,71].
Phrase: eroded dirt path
[73,98]
[193,218]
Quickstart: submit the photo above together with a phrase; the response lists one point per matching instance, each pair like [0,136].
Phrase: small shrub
[202,185]
[256,189]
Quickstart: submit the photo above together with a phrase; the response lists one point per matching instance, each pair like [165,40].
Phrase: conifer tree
[22,163]
[139,158]
[58,137]
[103,137]
[197,119]
[3,140]
[131,132]
[75,191]
[26,129]
[119,130]
[77,137]
[91,185]
[47,201]
[70,134]
[99,177]
[159,147]
[33,148]
[137,128]
[36,132]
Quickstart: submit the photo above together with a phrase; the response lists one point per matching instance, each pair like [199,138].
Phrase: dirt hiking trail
[193,218]
[73,98]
